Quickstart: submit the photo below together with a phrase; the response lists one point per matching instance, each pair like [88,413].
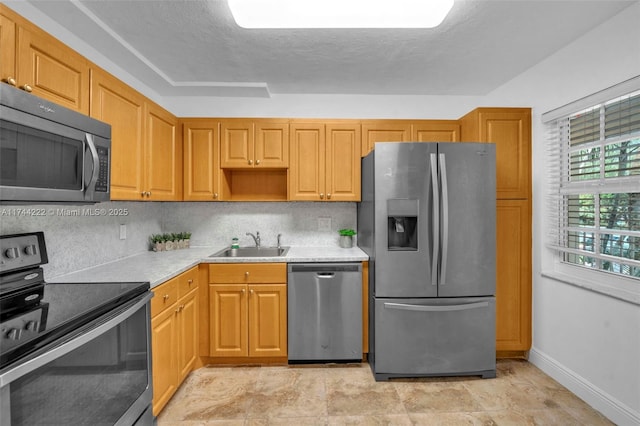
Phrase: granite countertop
[158,267]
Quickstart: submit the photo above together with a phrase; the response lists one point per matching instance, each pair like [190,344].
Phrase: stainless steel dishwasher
[324,303]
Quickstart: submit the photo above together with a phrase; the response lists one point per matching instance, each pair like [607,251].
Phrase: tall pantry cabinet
[510,130]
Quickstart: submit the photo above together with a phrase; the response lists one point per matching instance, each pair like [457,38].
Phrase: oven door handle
[75,342]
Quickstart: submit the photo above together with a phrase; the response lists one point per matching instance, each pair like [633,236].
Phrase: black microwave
[51,154]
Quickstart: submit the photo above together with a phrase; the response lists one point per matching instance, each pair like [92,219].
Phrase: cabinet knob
[322,195]
[148,193]
[165,297]
[12,81]
[26,88]
[190,282]
[250,162]
[246,274]
[243,291]
[215,195]
[258,162]
[328,196]
[251,291]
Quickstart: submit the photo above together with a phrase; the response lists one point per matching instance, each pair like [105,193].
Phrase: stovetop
[34,313]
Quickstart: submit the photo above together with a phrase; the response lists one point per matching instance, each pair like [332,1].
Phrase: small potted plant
[169,241]
[185,237]
[346,237]
[157,242]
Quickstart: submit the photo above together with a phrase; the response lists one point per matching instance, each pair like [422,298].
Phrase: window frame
[556,122]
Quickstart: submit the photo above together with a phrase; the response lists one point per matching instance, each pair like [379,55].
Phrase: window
[594,195]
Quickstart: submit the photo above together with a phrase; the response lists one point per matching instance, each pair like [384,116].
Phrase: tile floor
[348,395]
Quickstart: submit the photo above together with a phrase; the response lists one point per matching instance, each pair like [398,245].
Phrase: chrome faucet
[256,238]
[279,235]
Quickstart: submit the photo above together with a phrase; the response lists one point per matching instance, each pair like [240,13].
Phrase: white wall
[588,341]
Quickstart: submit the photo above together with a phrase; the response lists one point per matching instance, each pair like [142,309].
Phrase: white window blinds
[594,199]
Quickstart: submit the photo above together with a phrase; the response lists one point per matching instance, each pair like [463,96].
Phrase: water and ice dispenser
[402,224]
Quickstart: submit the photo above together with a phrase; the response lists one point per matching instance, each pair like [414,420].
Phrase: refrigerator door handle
[436,219]
[436,308]
[445,219]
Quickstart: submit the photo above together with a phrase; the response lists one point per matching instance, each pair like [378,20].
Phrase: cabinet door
[435,131]
[383,131]
[228,320]
[513,275]
[271,144]
[267,320]
[510,130]
[163,346]
[201,162]
[52,70]
[236,144]
[343,162]
[187,334]
[122,107]
[163,155]
[7,47]
[307,168]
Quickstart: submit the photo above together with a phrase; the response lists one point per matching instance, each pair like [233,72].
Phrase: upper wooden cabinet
[146,148]
[7,46]
[325,162]
[163,155]
[119,105]
[435,131]
[384,131]
[201,159]
[38,63]
[510,130]
[254,143]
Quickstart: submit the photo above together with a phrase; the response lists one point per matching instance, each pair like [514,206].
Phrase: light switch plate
[324,224]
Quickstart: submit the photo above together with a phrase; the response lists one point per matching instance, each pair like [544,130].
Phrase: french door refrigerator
[427,222]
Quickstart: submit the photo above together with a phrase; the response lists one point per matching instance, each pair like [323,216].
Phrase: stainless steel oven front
[100,374]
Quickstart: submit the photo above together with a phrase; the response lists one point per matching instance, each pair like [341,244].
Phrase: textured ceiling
[193,47]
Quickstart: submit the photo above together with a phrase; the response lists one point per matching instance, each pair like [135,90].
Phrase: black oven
[49,153]
[76,353]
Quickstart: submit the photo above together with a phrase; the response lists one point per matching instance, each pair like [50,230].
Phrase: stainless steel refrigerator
[427,222]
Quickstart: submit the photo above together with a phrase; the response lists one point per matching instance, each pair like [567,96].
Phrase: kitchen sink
[252,252]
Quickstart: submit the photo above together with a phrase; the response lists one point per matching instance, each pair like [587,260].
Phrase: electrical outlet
[324,224]
[123,231]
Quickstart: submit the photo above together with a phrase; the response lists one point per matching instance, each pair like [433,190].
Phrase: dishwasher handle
[325,274]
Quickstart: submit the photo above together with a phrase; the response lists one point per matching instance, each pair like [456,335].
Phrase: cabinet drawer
[187,281]
[165,295]
[230,273]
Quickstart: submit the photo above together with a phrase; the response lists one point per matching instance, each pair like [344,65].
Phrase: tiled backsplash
[298,222]
[80,237]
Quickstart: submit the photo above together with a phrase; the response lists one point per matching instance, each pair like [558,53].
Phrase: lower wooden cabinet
[174,335]
[513,277]
[248,310]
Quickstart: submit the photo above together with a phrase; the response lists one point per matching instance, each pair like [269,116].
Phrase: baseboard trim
[613,409]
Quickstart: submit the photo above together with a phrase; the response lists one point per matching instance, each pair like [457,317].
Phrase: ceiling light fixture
[339,13]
